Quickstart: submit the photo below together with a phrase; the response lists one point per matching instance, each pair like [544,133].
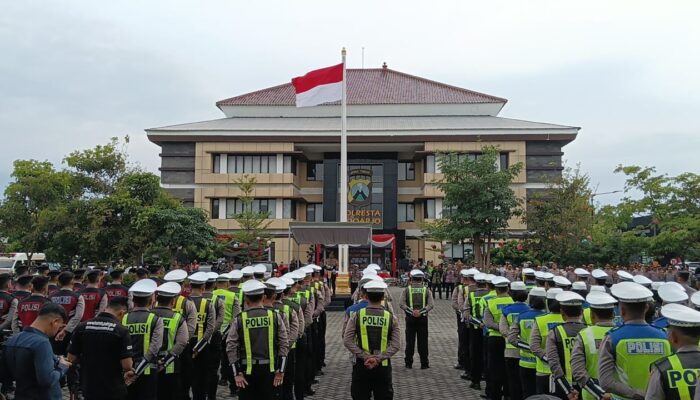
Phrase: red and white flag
[319,86]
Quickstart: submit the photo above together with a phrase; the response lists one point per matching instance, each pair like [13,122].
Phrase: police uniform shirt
[291,321]
[8,310]
[235,348]
[572,328]
[100,344]
[182,335]
[297,314]
[403,301]
[467,307]
[16,322]
[461,298]
[77,317]
[510,335]
[655,389]
[310,306]
[489,320]
[189,313]
[579,372]
[219,310]
[456,304]
[351,343]
[319,304]
[151,354]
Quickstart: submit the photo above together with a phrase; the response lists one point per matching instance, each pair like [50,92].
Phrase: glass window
[216,163]
[290,165]
[429,209]
[289,209]
[406,212]
[504,162]
[214,208]
[247,164]
[314,171]
[314,212]
[231,208]
[430,164]
[407,171]
[256,165]
[231,164]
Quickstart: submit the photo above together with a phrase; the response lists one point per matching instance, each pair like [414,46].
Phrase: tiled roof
[373,86]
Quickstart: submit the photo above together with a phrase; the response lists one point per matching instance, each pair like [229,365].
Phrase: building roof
[373,86]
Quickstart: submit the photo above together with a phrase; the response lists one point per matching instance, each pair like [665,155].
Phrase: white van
[9,261]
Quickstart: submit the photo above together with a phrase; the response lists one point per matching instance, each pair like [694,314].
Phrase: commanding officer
[175,338]
[560,341]
[509,318]
[28,308]
[519,336]
[116,288]
[675,376]
[632,347]
[584,355]
[373,337]
[538,340]
[146,332]
[495,344]
[257,346]
[94,297]
[184,306]
[471,313]
[416,301]
[206,322]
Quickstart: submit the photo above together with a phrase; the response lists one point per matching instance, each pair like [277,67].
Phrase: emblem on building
[359,187]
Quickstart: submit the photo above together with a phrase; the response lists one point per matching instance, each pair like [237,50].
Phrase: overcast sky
[75,73]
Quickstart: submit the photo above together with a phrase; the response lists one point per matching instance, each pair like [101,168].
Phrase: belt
[256,362]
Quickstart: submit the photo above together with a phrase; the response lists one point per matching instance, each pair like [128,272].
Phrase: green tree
[478,200]
[251,237]
[96,171]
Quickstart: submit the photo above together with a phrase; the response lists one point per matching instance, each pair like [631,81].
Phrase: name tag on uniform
[257,322]
[689,376]
[370,320]
[645,348]
[416,291]
[138,329]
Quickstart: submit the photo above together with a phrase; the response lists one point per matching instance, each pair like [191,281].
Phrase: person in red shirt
[116,288]
[28,308]
[95,298]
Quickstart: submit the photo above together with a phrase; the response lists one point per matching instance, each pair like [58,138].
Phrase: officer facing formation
[416,301]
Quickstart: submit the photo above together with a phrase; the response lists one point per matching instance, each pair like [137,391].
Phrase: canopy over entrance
[331,233]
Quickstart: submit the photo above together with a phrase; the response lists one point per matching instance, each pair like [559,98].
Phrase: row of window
[429,166]
[252,164]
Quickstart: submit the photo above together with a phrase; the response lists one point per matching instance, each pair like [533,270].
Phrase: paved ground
[441,381]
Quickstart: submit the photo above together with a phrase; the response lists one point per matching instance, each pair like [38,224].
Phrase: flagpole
[343,250]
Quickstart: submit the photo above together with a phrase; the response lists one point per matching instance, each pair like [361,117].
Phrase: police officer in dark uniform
[115,288]
[175,338]
[675,377]
[297,296]
[146,331]
[53,281]
[472,314]
[257,346]
[416,301]
[8,305]
[28,308]
[94,297]
[206,320]
[215,341]
[295,316]
[22,287]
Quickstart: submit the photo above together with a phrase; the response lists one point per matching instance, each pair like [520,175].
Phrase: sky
[75,73]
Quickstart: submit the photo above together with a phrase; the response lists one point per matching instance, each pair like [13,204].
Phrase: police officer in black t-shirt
[102,346]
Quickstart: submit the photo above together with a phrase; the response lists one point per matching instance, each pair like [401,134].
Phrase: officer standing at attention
[175,338]
[146,332]
[675,376]
[460,294]
[416,301]
[373,337]
[495,344]
[584,355]
[28,307]
[234,286]
[93,297]
[471,313]
[8,304]
[206,322]
[538,340]
[115,288]
[296,295]
[257,346]
[632,347]
[509,318]
[231,309]
[296,319]
[215,343]
[560,341]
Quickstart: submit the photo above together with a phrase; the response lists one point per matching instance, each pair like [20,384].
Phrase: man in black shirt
[103,347]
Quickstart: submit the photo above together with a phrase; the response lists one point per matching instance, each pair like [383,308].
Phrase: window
[235,206]
[258,164]
[430,164]
[290,165]
[407,171]
[429,209]
[214,208]
[289,209]
[231,208]
[447,211]
[504,161]
[314,212]
[314,171]
[407,212]
[216,163]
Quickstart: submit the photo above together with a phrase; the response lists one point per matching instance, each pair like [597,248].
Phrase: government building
[396,124]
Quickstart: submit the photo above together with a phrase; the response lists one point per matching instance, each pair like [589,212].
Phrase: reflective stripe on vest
[201,318]
[178,304]
[364,338]
[146,335]
[636,351]
[591,338]
[270,340]
[681,380]
[544,324]
[495,306]
[229,299]
[587,316]
[288,312]
[566,347]
[171,324]
[411,290]
[527,359]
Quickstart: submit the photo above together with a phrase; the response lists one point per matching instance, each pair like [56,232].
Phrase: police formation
[546,337]
[186,337]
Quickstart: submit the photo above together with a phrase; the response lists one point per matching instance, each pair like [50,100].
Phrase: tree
[559,219]
[98,170]
[251,237]
[478,200]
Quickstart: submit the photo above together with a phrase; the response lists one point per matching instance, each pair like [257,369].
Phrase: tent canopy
[330,233]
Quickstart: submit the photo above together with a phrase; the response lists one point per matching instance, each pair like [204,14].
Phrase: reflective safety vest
[679,374]
[180,304]
[229,299]
[474,301]
[420,292]
[544,324]
[251,326]
[635,348]
[374,322]
[495,306]
[170,326]
[140,330]
[202,313]
[525,322]
[565,343]
[483,302]
[591,338]
[587,316]
[511,312]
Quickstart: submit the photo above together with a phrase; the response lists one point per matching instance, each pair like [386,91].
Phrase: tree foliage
[251,238]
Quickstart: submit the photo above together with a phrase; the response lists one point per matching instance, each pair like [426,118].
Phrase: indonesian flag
[319,86]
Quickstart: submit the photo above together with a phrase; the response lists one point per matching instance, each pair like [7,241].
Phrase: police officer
[146,332]
[185,307]
[28,307]
[538,340]
[632,347]
[669,293]
[416,301]
[259,271]
[296,295]
[519,336]
[600,277]
[310,295]
[8,305]
[675,376]
[295,316]
[459,296]
[205,328]
[248,272]
[231,307]
[22,287]
[215,347]
[373,337]
[235,277]
[94,298]
[325,298]
[115,288]
[257,346]
[582,275]
[472,314]
[584,355]
[175,338]
[509,317]
[683,277]
[495,343]
[53,281]
[529,278]
[560,342]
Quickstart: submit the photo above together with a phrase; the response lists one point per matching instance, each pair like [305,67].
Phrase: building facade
[396,125]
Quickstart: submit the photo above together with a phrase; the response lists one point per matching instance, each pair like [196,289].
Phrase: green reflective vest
[679,375]
[421,291]
[544,324]
[591,338]
[527,359]
[377,322]
[248,325]
[567,346]
[495,305]
[170,325]
[143,329]
[229,299]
